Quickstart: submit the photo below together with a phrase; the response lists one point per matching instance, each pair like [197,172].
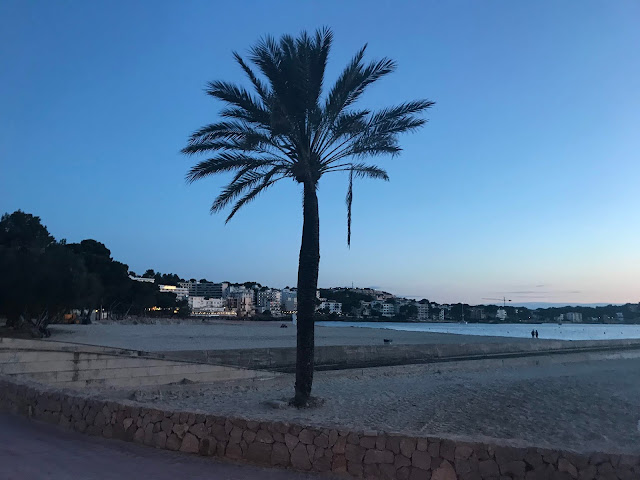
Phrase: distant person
[536,333]
[533,333]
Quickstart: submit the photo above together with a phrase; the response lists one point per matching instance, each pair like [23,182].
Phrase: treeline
[42,279]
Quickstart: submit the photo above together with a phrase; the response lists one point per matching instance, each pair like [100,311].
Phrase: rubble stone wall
[357,454]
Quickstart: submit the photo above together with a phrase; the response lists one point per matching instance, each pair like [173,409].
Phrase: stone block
[368,442]
[403,473]
[339,464]
[199,430]
[354,453]
[173,442]
[387,472]
[280,455]
[379,456]
[311,450]
[291,441]
[253,426]
[565,466]
[148,434]
[354,468]
[249,436]
[260,453]
[515,468]
[488,468]
[321,440]
[263,436]
[353,438]
[300,458]
[332,438]
[419,474]
[340,445]
[407,446]
[447,450]
[306,436]
[370,471]
[322,464]
[235,435]
[434,448]
[233,451]
[160,440]
[463,452]
[444,472]
[421,460]
[401,461]
[138,437]
[422,445]
[393,444]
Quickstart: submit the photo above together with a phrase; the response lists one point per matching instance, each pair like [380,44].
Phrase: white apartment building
[441,315]
[388,310]
[423,311]
[574,317]
[331,305]
[501,314]
[181,292]
[289,299]
[142,279]
[269,299]
[204,306]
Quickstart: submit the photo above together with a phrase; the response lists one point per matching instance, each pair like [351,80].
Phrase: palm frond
[226,162]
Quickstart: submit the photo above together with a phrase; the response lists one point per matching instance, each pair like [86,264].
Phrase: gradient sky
[524,183]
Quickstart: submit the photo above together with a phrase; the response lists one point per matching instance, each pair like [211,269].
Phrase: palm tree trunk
[307,285]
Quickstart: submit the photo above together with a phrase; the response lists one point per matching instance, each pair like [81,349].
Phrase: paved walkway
[36,451]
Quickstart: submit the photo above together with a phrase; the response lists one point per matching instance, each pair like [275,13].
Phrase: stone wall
[365,454]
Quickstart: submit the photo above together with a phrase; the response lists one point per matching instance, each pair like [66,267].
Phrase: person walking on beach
[533,333]
[536,333]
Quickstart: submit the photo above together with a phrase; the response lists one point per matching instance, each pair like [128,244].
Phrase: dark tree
[288,128]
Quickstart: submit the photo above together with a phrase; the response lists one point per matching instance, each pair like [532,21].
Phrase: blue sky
[524,182]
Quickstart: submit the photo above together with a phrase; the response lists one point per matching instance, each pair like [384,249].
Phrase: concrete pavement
[35,451]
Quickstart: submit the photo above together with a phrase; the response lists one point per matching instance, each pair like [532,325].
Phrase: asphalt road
[36,451]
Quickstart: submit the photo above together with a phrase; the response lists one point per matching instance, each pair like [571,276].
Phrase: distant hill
[535,305]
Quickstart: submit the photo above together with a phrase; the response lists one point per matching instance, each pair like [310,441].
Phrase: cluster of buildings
[241,300]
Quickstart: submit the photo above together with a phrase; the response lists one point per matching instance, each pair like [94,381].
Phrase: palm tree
[287,129]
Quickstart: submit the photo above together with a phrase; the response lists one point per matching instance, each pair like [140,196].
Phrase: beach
[223,335]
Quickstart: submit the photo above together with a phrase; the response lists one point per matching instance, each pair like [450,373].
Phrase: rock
[421,460]
[403,473]
[378,456]
[444,472]
[401,461]
[418,474]
[138,437]
[368,442]
[199,430]
[489,468]
[190,444]
[263,437]
[340,445]
[463,452]
[148,434]
[290,441]
[407,446]
[353,438]
[127,423]
[180,429]
[306,436]
[173,442]
[447,450]
[260,453]
[249,436]
[321,440]
[387,472]
[393,444]
[354,469]
[300,458]
[280,455]
[434,449]
[235,435]
[371,471]
[354,453]
[565,466]
[233,451]
[332,438]
[339,464]
[159,440]
[322,464]
[514,468]
[422,445]
[588,473]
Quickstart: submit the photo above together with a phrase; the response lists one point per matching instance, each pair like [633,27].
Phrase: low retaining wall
[356,454]
[360,356]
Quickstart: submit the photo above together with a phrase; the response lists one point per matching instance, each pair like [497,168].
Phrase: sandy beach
[222,335]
